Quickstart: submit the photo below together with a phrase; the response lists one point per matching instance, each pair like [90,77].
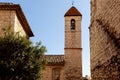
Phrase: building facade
[12,17]
[59,67]
[69,65]
[105,39]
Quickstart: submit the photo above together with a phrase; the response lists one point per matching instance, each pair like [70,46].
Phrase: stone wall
[9,19]
[19,28]
[73,64]
[73,49]
[105,39]
[6,20]
[48,72]
[73,37]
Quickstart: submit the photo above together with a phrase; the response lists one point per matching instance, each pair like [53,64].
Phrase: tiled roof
[54,60]
[20,15]
[73,12]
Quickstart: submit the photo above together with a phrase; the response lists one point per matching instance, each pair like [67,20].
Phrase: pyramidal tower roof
[73,12]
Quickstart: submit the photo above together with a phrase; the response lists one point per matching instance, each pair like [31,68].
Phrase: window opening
[72,24]
[56,74]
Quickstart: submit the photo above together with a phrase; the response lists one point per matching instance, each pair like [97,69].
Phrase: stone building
[59,67]
[69,65]
[12,17]
[105,39]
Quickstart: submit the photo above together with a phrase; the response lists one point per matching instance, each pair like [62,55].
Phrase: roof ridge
[73,11]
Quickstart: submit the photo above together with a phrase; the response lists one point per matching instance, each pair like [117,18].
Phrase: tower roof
[73,12]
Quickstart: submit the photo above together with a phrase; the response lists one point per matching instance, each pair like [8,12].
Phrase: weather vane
[72,2]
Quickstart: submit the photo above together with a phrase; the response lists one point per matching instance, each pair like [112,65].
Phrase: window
[72,27]
[56,74]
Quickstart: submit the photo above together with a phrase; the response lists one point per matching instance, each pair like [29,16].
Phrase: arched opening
[72,27]
[56,74]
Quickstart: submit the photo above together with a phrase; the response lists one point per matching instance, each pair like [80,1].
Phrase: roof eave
[72,15]
[20,16]
[23,20]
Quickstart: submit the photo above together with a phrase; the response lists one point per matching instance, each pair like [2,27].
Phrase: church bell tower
[73,49]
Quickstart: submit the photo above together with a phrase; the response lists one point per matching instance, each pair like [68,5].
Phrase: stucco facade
[105,39]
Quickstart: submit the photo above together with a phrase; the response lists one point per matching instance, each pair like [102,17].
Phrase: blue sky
[46,18]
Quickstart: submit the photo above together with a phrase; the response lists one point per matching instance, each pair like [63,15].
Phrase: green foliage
[20,59]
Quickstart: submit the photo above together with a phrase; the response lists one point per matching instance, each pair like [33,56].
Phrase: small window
[56,74]
[72,27]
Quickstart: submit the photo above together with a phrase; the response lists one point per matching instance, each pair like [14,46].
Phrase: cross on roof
[72,2]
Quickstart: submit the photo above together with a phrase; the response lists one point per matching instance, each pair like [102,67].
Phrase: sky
[46,19]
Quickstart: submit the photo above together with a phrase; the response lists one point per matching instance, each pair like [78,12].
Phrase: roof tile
[73,12]
[55,59]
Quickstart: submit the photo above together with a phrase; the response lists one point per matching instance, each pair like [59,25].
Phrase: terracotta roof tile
[55,59]
[73,12]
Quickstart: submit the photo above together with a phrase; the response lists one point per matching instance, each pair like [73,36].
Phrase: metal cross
[72,2]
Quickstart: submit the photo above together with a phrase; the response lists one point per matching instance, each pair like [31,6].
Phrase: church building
[59,67]
[69,65]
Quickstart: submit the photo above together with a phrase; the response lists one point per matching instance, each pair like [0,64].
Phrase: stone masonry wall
[73,37]
[6,20]
[19,28]
[9,19]
[73,49]
[48,74]
[105,39]
[73,64]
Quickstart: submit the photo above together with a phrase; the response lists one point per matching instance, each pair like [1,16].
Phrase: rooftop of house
[20,15]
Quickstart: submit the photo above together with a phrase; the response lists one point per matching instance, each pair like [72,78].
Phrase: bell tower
[73,49]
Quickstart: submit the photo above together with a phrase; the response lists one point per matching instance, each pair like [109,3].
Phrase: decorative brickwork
[105,39]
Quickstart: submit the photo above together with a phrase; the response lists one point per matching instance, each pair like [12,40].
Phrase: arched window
[72,27]
[56,74]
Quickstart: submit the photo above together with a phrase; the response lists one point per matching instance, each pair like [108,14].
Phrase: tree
[20,59]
